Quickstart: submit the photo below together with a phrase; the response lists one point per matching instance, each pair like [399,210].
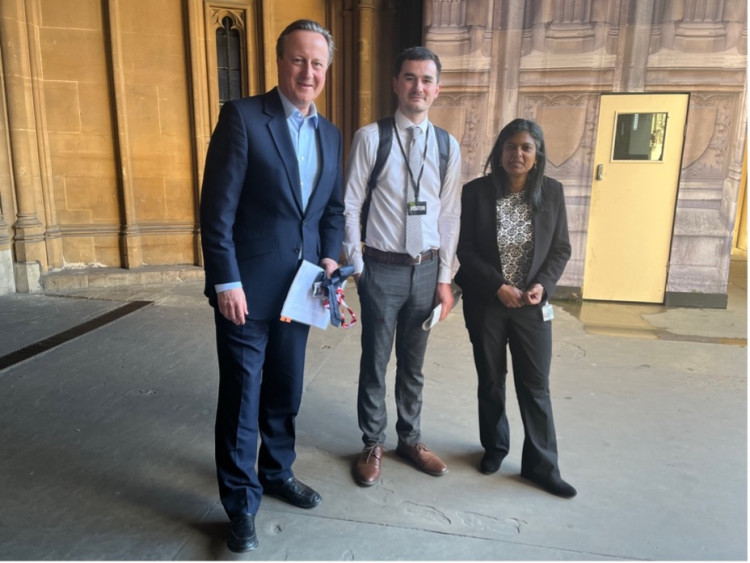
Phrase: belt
[400,259]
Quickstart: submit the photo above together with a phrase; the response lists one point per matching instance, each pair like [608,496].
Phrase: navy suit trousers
[261,366]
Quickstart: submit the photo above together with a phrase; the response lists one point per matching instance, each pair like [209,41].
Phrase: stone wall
[107,109]
[550,60]
[107,106]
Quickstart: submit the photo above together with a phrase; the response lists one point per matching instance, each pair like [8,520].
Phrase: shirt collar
[291,110]
[403,122]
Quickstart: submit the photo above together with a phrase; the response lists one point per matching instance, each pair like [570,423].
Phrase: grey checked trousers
[395,301]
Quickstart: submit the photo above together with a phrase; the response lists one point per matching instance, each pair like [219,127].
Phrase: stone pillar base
[28,276]
[7,276]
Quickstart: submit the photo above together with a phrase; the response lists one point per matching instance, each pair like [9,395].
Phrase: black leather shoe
[490,462]
[242,535]
[555,486]
[295,492]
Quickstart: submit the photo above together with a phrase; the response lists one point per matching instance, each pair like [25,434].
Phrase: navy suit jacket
[253,227]
[480,274]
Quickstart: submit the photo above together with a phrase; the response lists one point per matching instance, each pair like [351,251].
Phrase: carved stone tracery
[467,132]
[572,52]
[707,142]
[237,17]
[568,131]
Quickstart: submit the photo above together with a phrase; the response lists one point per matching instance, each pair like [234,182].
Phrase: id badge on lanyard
[416,207]
[548,312]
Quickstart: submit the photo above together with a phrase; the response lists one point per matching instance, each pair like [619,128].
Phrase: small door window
[640,136]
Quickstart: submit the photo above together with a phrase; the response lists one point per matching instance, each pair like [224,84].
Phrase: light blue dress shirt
[302,130]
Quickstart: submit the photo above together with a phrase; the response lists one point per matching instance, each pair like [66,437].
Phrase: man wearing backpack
[403,201]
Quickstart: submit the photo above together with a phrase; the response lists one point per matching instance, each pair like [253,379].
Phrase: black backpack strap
[385,137]
[386,126]
[443,141]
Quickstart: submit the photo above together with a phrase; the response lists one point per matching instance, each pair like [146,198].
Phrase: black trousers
[494,329]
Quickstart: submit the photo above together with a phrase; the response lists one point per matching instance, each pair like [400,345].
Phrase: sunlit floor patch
[630,320]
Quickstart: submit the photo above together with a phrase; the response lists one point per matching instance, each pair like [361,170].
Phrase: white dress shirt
[386,221]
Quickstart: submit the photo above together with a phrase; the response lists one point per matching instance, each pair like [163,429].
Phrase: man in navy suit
[271,198]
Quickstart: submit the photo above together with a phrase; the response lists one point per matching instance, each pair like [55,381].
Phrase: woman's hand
[510,296]
[534,294]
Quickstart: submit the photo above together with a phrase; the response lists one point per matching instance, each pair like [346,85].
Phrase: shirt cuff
[219,287]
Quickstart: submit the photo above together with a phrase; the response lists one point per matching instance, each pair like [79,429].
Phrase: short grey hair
[305,25]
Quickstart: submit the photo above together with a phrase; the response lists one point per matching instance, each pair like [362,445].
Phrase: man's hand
[329,265]
[233,305]
[533,295]
[444,295]
[510,296]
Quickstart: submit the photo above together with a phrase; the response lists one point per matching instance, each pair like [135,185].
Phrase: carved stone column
[464,54]
[447,26]
[632,52]
[505,67]
[365,13]
[701,28]
[342,87]
[29,244]
[7,278]
[571,29]
[130,233]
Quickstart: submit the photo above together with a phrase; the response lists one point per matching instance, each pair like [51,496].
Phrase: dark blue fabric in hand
[329,288]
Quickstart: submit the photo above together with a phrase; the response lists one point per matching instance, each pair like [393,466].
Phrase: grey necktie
[414,243]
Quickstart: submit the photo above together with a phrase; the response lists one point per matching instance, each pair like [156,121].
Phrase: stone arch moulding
[461,116]
[707,135]
[237,17]
[244,18]
[569,125]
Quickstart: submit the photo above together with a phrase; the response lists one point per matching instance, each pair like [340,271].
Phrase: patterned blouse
[515,238]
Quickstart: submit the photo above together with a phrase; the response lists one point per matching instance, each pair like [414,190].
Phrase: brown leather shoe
[367,470]
[423,458]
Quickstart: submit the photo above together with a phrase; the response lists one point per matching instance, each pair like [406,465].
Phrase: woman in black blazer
[513,248]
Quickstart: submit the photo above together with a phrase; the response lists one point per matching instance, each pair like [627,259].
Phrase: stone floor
[106,440]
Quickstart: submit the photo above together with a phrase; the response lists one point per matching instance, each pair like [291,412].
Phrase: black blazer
[480,274]
[252,224]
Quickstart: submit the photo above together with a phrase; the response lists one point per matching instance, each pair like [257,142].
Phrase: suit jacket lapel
[323,155]
[543,219]
[489,206]
[279,131]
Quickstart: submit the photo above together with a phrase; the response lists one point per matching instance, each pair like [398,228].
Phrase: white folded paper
[434,317]
[300,304]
